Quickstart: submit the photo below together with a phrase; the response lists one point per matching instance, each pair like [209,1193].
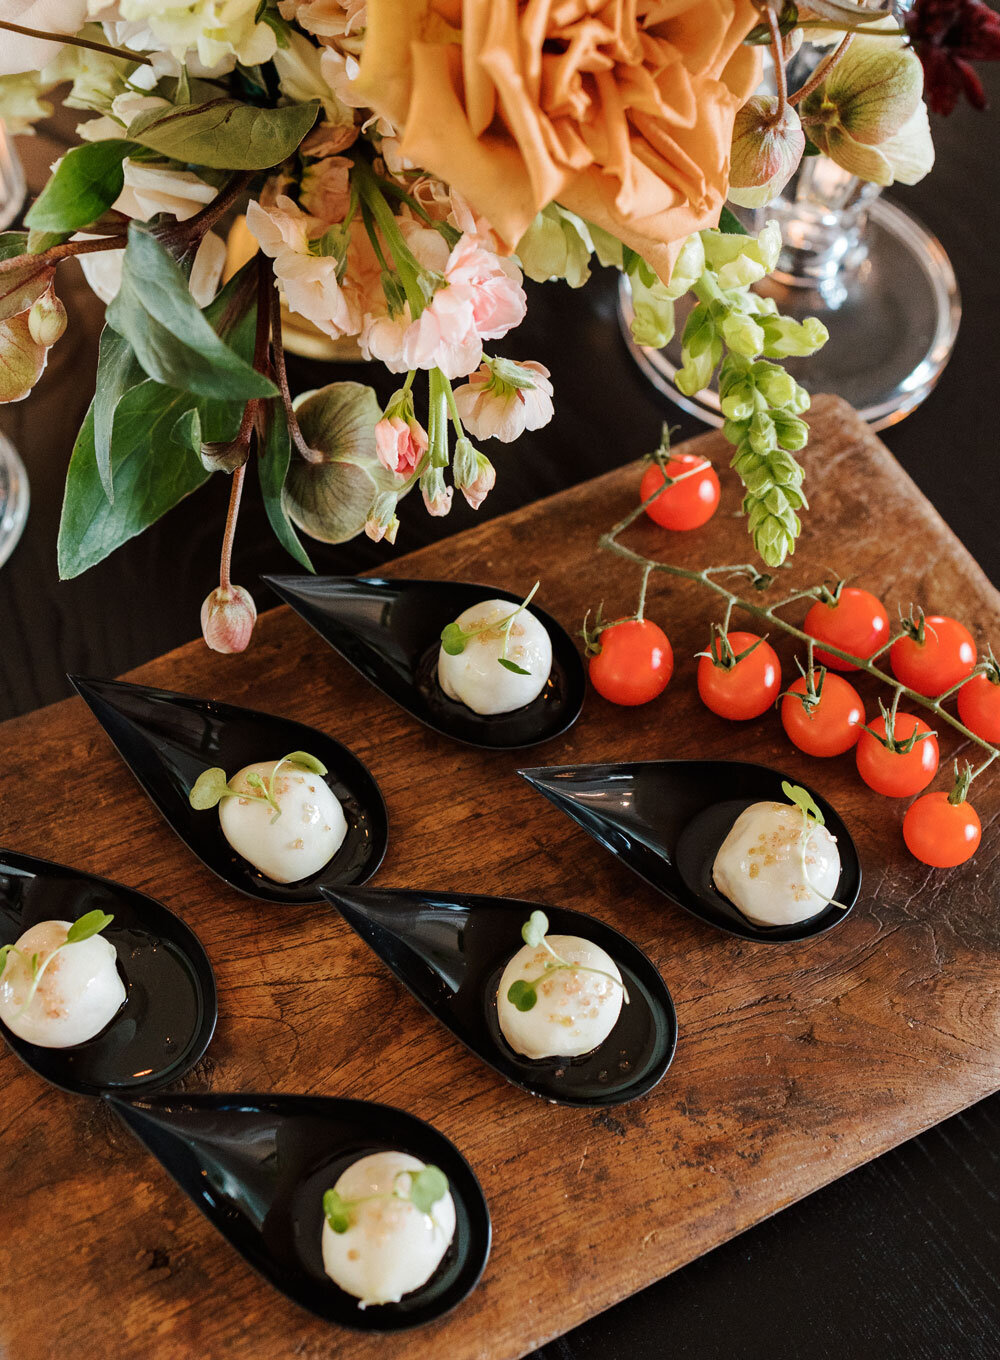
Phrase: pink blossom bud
[437,496]
[400,444]
[765,152]
[478,487]
[47,319]
[227,619]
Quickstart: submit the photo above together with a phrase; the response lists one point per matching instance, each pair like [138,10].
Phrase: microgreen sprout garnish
[454,637]
[92,923]
[812,817]
[211,786]
[422,1189]
[524,992]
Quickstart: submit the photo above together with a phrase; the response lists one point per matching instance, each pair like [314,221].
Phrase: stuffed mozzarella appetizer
[495,657]
[278,814]
[779,864]
[59,984]
[387,1224]
[560,996]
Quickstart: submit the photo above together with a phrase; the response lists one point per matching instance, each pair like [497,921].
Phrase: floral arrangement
[402,166]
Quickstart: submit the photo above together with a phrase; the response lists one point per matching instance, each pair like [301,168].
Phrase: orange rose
[622,110]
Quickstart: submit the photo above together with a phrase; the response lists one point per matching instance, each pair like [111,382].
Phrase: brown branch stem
[281,375]
[235,494]
[190,232]
[73,40]
[778,56]
[66,251]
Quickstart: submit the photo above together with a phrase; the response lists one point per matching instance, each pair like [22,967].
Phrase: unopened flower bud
[477,483]
[437,496]
[742,334]
[777,387]
[383,522]
[766,151]
[784,337]
[47,319]
[227,619]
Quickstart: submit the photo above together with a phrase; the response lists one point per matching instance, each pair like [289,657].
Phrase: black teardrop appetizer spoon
[452,950]
[668,819]
[170,740]
[128,965]
[391,632]
[263,1170]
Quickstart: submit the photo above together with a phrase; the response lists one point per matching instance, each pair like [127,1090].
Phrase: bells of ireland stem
[765,153]
[869,116]
[227,619]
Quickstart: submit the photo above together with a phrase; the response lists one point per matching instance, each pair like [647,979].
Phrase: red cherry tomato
[946,654]
[689,504]
[897,774]
[979,707]
[745,690]
[635,662]
[940,833]
[828,728]
[857,623]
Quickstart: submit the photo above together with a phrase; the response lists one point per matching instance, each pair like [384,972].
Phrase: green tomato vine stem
[768,614]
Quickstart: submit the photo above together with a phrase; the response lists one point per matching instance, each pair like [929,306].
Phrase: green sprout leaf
[427,1187]
[453,639]
[796,794]
[522,995]
[535,928]
[336,1211]
[3,957]
[304,759]
[86,926]
[209,788]
[512,666]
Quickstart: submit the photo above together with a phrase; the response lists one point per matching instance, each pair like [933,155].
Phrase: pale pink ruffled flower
[328,139]
[400,444]
[493,408]
[492,285]
[382,337]
[444,335]
[326,18]
[326,189]
[309,282]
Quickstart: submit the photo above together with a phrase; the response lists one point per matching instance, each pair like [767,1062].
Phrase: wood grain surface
[795,1064]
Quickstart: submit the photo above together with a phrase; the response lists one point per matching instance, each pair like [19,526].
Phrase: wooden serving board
[795,1063]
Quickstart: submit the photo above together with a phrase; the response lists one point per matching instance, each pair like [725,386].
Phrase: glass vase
[875,276]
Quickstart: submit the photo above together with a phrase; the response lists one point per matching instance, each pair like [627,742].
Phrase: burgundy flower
[948,35]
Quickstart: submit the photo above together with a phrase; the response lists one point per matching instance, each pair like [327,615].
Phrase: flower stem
[63,252]
[235,493]
[310,455]
[73,41]
[778,56]
[193,229]
[822,70]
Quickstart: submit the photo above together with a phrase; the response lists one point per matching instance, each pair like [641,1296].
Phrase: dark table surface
[897,1260]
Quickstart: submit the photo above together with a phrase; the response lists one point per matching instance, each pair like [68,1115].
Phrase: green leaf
[811,149]
[272,467]
[86,926]
[522,995]
[150,477]
[208,788]
[731,224]
[20,287]
[84,185]
[118,371]
[427,1187]
[512,666]
[187,431]
[796,794]
[336,1212]
[304,759]
[4,951]
[535,929]
[225,134]
[172,338]
[43,240]
[453,639]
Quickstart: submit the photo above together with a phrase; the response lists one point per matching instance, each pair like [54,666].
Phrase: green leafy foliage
[20,287]
[118,371]
[453,639]
[336,1211]
[83,185]
[208,789]
[85,926]
[225,134]
[802,799]
[535,929]
[171,337]
[512,666]
[522,995]
[273,458]
[304,759]
[730,223]
[427,1187]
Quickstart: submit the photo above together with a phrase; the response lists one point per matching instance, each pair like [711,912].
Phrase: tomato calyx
[960,791]
[720,650]
[809,697]
[989,667]
[915,625]
[898,746]
[830,595]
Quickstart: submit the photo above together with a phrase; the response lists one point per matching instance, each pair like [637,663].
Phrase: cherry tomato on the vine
[829,727]
[941,833]
[897,774]
[691,502]
[856,623]
[979,707]
[939,660]
[634,664]
[746,689]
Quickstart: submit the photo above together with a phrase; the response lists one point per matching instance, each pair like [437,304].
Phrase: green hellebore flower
[765,153]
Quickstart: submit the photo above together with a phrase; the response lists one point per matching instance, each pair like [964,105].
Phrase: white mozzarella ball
[309,832]
[476,678]
[576,1010]
[774,868]
[78,992]
[391,1246]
